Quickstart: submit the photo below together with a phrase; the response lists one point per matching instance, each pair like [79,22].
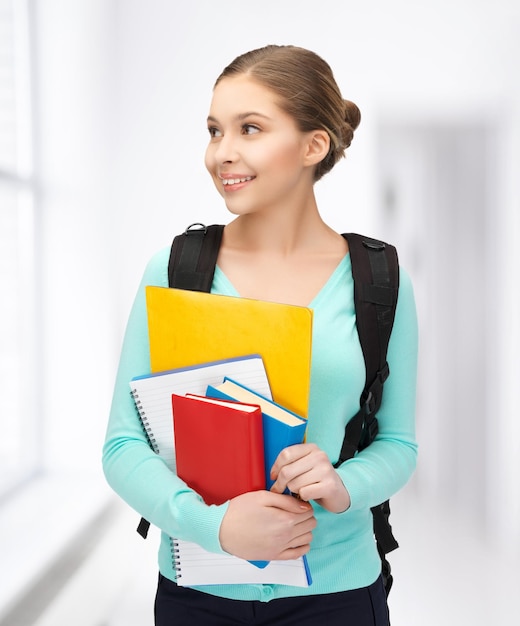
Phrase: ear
[317,147]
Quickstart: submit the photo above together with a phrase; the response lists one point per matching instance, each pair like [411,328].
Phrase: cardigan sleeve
[382,469]
[132,469]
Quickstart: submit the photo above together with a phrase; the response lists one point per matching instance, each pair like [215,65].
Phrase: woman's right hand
[266,526]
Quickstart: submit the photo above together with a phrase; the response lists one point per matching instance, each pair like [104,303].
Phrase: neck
[283,232]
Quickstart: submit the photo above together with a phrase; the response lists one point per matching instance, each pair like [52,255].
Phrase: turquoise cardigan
[343,554]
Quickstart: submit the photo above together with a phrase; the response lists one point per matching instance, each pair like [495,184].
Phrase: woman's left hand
[306,471]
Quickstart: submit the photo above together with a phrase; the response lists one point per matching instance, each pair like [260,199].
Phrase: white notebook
[196,566]
[152,394]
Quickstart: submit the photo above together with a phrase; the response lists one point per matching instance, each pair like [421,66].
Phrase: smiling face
[259,160]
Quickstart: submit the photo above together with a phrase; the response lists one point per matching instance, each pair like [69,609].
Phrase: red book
[219,446]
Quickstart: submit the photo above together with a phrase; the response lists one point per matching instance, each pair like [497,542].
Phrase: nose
[226,149]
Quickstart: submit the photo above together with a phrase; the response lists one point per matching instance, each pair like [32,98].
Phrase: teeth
[235,181]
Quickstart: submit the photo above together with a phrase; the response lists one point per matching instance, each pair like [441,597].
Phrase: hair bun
[352,114]
[352,119]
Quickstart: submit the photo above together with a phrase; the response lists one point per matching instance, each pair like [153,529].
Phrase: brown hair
[308,92]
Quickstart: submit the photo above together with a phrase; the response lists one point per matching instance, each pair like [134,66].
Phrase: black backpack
[375,270]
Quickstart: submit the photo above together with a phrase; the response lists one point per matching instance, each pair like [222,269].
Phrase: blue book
[282,427]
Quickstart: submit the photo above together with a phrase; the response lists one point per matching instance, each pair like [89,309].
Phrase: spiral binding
[176,557]
[144,421]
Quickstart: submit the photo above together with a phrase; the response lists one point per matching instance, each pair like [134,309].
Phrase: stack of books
[220,424]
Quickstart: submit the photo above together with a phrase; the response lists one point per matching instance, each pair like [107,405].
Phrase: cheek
[286,151]
[286,161]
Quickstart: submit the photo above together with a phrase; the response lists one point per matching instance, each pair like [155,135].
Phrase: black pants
[179,606]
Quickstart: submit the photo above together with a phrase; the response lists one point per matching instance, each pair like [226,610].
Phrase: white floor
[444,575]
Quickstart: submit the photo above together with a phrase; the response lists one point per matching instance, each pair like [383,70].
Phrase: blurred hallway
[102,134]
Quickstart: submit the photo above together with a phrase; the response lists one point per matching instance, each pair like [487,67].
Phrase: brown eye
[250,129]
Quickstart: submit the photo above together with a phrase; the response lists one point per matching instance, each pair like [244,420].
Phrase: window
[18,316]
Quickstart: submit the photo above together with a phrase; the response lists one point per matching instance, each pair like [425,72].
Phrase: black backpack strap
[191,266]
[375,269]
[193,257]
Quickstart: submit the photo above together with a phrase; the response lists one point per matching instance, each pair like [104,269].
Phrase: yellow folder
[191,327]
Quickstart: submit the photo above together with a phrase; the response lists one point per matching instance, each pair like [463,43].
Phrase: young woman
[277,123]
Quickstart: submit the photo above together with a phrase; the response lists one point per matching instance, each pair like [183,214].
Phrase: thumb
[288,503]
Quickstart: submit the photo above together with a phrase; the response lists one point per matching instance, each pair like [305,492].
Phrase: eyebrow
[242,116]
